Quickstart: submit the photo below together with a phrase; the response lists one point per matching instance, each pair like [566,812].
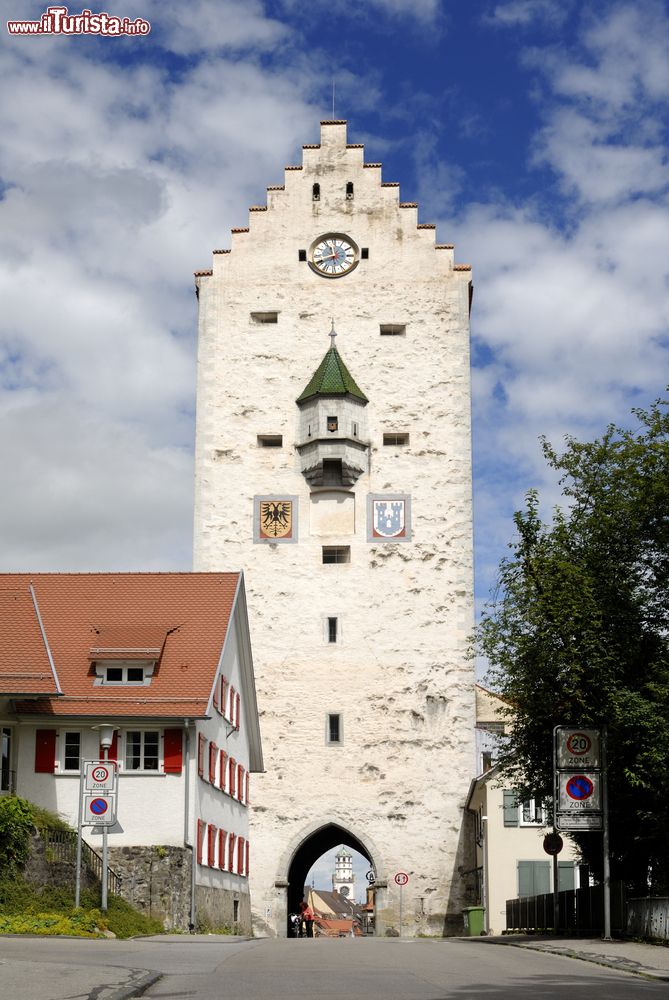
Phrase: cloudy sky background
[533,132]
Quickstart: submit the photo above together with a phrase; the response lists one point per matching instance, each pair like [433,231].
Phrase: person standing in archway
[307,915]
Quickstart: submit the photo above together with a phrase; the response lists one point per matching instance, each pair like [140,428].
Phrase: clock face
[344,890]
[333,255]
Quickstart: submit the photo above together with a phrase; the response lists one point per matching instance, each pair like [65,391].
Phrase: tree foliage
[578,634]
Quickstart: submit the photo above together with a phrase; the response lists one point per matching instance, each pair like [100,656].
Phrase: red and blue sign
[580,787]
[99,807]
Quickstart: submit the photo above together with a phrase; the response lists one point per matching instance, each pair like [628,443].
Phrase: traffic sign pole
[605,842]
[105,850]
[77,889]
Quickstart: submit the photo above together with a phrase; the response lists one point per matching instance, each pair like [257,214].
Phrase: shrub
[16,822]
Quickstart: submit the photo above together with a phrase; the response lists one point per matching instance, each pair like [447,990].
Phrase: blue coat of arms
[389,518]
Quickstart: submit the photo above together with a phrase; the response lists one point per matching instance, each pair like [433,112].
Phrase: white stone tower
[339,479]
[343,879]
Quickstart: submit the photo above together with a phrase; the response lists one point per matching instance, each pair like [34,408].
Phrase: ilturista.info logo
[59,21]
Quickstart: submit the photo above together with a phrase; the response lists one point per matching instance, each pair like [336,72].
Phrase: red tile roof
[186,613]
[25,668]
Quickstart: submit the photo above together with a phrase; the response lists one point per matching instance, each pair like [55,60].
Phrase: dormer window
[124,673]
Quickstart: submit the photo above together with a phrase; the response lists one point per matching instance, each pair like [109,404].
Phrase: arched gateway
[306,849]
[337,474]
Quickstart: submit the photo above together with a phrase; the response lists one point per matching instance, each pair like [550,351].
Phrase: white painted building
[339,476]
[161,664]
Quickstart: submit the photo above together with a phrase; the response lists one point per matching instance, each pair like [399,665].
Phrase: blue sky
[532,132]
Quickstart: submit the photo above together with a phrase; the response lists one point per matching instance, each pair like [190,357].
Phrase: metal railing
[579,910]
[61,845]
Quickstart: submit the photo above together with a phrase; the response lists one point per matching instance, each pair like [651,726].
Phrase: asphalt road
[217,969]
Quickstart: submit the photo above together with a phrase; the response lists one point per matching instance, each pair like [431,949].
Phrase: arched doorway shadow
[313,843]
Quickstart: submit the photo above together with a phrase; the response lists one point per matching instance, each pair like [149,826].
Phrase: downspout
[187,842]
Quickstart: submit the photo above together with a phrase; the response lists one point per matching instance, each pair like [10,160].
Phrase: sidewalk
[647,960]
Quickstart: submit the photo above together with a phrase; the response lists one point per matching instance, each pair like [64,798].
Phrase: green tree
[577,633]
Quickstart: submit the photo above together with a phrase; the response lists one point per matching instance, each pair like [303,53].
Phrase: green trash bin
[474,920]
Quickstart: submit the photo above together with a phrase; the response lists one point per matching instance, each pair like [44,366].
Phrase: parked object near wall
[648,918]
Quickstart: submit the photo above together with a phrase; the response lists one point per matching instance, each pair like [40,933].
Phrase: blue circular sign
[579,787]
[99,806]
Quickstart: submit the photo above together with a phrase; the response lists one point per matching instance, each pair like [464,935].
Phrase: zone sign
[577,749]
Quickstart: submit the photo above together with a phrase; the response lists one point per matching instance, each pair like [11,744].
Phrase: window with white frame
[70,759]
[142,750]
[132,672]
[532,813]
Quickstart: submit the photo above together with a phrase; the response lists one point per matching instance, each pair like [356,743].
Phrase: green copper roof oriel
[332,377]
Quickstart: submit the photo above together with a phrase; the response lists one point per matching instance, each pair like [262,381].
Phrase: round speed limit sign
[401,878]
[100,773]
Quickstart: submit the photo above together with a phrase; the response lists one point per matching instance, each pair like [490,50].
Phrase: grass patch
[29,909]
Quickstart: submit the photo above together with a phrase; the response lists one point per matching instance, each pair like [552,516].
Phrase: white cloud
[522,13]
[202,26]
[424,10]
[117,183]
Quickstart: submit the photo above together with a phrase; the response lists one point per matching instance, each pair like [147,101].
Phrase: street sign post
[98,795]
[581,799]
[101,776]
[401,878]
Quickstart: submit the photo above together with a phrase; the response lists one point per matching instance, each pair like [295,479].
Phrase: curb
[619,964]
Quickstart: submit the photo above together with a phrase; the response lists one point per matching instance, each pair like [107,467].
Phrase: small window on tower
[397,439]
[364,253]
[336,554]
[393,330]
[264,317]
[349,191]
[334,728]
[301,254]
[316,192]
[354,429]
[270,440]
[332,629]
[333,424]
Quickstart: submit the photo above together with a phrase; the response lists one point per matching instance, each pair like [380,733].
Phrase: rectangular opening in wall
[332,472]
[395,438]
[332,629]
[334,728]
[364,253]
[264,317]
[302,255]
[393,329]
[336,553]
[270,440]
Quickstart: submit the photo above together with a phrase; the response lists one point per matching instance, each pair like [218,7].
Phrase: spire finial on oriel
[332,334]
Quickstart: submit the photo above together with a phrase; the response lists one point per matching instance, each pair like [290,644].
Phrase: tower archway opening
[327,839]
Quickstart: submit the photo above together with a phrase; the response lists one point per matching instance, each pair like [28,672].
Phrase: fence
[648,918]
[579,910]
[61,845]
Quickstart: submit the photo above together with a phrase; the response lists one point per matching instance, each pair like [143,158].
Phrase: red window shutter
[200,754]
[232,772]
[211,844]
[246,793]
[247,859]
[213,756]
[221,769]
[222,844]
[241,854]
[200,840]
[240,782]
[172,751]
[223,694]
[45,751]
[217,696]
[237,710]
[231,852]
[113,750]
[230,714]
